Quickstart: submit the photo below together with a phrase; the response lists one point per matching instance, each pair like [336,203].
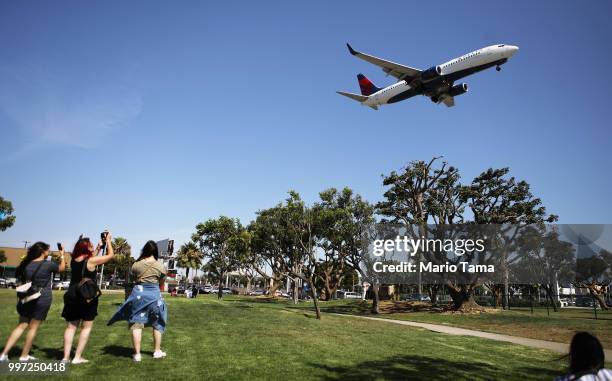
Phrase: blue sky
[149,117]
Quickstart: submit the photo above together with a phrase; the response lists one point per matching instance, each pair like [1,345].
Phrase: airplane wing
[391,68]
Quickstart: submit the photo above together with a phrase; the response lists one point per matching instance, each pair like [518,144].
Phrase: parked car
[256,292]
[417,298]
[11,282]
[206,289]
[564,302]
[584,301]
[226,290]
[61,285]
[3,283]
[350,295]
[201,289]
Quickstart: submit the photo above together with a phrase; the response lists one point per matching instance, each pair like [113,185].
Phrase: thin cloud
[48,109]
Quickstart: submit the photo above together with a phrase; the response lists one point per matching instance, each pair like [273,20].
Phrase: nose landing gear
[498,68]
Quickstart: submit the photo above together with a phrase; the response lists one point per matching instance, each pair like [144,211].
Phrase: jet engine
[459,89]
[431,73]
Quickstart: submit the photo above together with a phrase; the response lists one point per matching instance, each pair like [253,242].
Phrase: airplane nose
[513,49]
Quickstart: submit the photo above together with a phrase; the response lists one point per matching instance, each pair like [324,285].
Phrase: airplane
[437,82]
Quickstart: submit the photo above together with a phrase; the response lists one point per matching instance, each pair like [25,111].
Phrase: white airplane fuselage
[437,81]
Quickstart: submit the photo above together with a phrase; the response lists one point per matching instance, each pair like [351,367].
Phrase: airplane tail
[366,86]
[358,98]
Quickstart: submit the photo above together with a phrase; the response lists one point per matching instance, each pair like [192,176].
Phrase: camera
[103,236]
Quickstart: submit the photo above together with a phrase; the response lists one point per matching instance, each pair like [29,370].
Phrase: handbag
[27,291]
[87,288]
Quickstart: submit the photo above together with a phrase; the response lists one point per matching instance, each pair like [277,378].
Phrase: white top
[602,375]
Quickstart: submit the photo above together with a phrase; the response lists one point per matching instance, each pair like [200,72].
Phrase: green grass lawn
[243,338]
[558,326]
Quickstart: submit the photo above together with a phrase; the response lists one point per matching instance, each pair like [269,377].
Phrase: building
[168,259]
[13,258]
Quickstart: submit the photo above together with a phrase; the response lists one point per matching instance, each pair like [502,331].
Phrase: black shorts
[79,310]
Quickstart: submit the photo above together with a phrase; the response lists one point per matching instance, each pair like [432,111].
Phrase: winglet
[351,50]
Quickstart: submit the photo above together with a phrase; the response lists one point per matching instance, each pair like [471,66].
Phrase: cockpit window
[501,46]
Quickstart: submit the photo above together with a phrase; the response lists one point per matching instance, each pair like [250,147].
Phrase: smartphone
[59,246]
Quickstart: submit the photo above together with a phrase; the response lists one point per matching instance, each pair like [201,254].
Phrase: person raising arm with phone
[81,298]
[34,296]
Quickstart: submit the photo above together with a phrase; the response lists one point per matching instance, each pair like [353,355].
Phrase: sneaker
[79,361]
[137,357]
[27,358]
[4,358]
[159,354]
[65,361]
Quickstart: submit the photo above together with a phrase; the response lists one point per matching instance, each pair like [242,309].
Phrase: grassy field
[559,326]
[245,338]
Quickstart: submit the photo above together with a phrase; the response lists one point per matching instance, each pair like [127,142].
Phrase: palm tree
[123,261]
[189,257]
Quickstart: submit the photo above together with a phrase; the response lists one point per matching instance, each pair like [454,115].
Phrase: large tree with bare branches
[430,193]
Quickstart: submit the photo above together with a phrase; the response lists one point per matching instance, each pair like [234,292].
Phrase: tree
[121,265]
[287,232]
[6,220]
[346,223]
[6,214]
[210,276]
[333,214]
[543,259]
[593,272]
[427,194]
[266,250]
[495,198]
[301,224]
[225,242]
[189,257]
[418,194]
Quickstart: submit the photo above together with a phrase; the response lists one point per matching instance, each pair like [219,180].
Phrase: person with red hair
[77,310]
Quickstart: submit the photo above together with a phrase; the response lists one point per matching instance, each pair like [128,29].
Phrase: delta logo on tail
[366,86]
[437,83]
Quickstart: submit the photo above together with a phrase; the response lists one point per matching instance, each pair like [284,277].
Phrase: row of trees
[321,243]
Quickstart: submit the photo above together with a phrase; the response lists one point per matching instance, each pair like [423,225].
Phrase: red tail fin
[366,86]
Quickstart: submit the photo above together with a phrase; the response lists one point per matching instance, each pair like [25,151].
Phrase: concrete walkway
[534,343]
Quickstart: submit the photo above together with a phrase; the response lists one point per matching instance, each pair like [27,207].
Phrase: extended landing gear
[498,68]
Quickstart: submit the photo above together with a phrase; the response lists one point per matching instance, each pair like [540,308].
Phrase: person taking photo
[80,308]
[34,296]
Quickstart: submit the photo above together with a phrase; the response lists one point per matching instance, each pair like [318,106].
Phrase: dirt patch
[390,307]
[485,310]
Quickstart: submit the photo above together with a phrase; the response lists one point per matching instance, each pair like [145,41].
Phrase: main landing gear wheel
[498,68]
